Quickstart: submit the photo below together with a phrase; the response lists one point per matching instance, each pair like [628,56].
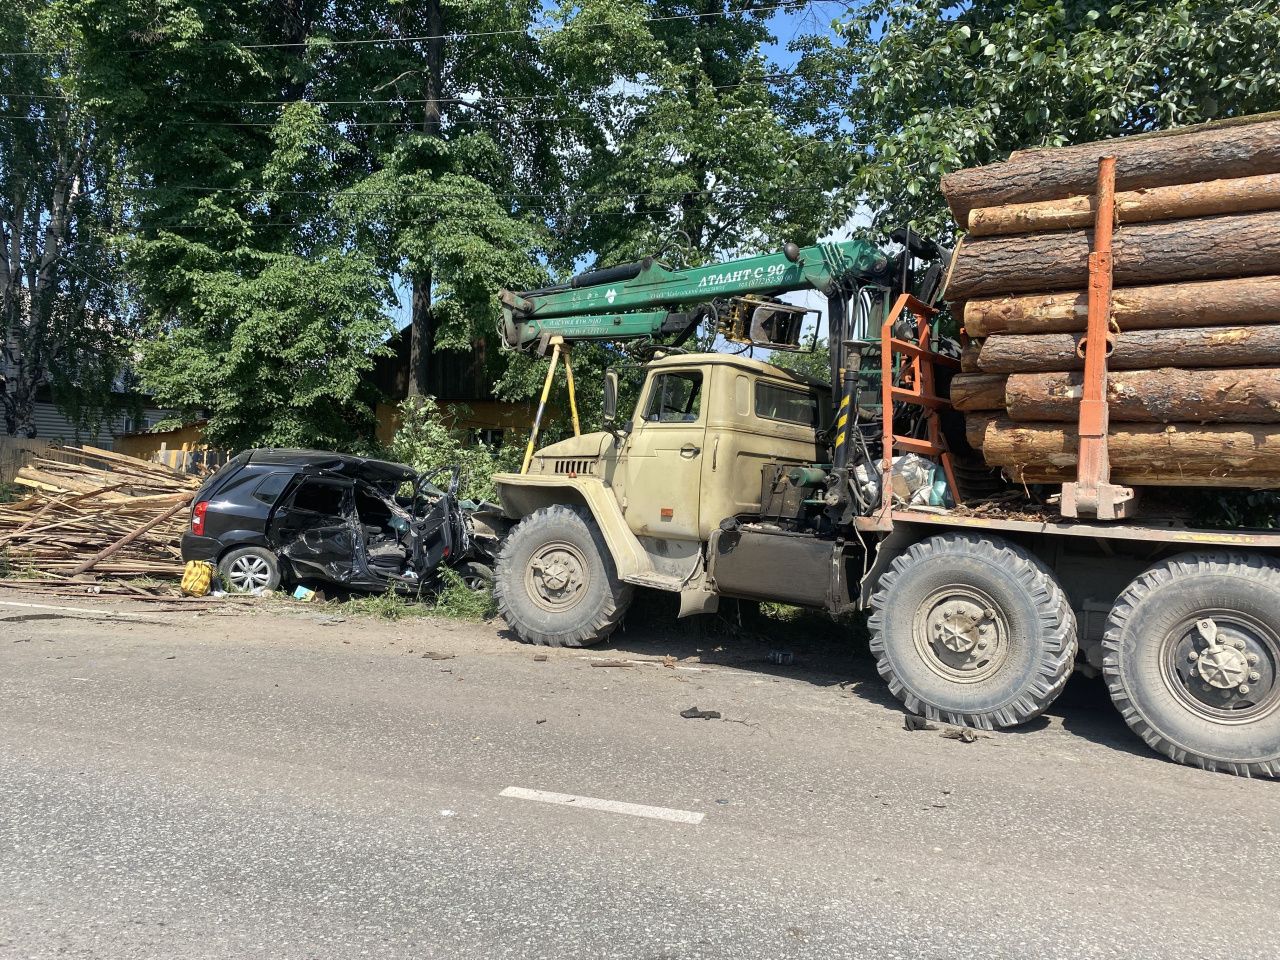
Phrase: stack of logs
[1194,376]
[95,512]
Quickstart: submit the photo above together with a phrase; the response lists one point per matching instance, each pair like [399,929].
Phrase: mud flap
[698,600]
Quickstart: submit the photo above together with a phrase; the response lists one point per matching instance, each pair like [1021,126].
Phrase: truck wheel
[556,584]
[249,570]
[972,630]
[1192,661]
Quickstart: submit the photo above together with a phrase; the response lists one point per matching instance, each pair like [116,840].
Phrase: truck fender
[523,494]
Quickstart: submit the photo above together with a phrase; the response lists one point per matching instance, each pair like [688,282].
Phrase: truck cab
[690,457]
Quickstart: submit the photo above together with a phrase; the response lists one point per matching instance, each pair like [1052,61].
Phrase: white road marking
[608,806]
[96,613]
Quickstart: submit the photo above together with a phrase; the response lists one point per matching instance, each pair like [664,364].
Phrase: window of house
[675,398]
[791,406]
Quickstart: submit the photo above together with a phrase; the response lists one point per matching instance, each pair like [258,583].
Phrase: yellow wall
[143,445]
[473,415]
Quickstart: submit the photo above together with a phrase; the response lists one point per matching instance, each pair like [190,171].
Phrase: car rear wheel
[476,576]
[250,570]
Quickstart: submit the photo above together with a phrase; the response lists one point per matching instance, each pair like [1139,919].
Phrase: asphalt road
[272,783]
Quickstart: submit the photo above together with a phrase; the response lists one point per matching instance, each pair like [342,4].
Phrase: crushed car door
[314,527]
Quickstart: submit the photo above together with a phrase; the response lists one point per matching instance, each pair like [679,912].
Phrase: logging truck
[993,503]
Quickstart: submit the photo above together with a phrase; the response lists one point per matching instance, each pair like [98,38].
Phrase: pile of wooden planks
[1193,384]
[96,512]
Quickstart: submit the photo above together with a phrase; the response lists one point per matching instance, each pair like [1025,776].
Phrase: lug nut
[1252,658]
[1238,644]
[982,645]
[1193,655]
[1243,688]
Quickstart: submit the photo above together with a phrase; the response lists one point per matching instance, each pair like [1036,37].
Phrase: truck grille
[574,466]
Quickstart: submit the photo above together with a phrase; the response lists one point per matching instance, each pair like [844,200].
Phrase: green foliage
[1233,509]
[61,319]
[814,363]
[930,86]
[383,606]
[457,601]
[427,441]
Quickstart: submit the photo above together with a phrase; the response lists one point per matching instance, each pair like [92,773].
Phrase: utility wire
[550,28]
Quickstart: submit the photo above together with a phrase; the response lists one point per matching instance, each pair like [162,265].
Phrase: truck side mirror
[610,397]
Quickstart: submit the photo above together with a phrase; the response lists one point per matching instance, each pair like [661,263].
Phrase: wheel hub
[961,634]
[1224,667]
[556,576]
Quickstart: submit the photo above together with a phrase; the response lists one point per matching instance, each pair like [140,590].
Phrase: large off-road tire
[1192,660]
[972,630]
[249,570]
[555,581]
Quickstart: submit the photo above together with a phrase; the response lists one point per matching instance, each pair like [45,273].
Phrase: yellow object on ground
[197,578]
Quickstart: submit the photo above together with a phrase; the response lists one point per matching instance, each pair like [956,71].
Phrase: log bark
[1150,396]
[978,391]
[1136,350]
[969,354]
[1208,303]
[1190,156]
[1173,450]
[1208,248]
[1241,195]
[1142,477]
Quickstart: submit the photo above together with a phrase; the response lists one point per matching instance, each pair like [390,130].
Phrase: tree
[930,86]
[63,325]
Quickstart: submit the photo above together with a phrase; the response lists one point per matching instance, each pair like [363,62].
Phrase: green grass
[454,601]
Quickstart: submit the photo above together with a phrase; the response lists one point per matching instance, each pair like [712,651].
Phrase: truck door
[664,456]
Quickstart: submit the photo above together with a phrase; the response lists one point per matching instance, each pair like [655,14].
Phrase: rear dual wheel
[1192,661]
[972,630]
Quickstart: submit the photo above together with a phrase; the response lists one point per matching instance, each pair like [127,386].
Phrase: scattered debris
[669,662]
[305,594]
[963,734]
[432,655]
[611,663]
[783,658]
[90,509]
[539,658]
[543,720]
[693,713]
[912,722]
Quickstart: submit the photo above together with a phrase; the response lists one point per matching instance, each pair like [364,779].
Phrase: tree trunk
[1191,155]
[978,391]
[1178,202]
[1150,396]
[1204,249]
[1136,350]
[1209,303]
[1174,450]
[422,320]
[1155,477]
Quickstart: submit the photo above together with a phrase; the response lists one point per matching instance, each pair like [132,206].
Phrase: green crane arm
[646,299]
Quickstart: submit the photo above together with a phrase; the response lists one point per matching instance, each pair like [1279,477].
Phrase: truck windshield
[675,398]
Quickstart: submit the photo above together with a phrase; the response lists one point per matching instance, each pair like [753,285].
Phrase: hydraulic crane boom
[645,299]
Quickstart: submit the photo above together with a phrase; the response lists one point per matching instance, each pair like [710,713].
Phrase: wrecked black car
[271,516]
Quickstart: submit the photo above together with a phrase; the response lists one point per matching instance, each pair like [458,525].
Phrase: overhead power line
[462,35]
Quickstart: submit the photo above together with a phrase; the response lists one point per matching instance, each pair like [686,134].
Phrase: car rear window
[319,497]
[272,485]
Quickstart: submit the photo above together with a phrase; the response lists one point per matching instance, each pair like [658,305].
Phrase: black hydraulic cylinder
[623,271]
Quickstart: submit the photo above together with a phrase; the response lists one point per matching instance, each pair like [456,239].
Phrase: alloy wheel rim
[249,574]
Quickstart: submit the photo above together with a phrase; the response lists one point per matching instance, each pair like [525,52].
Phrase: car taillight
[197,517]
